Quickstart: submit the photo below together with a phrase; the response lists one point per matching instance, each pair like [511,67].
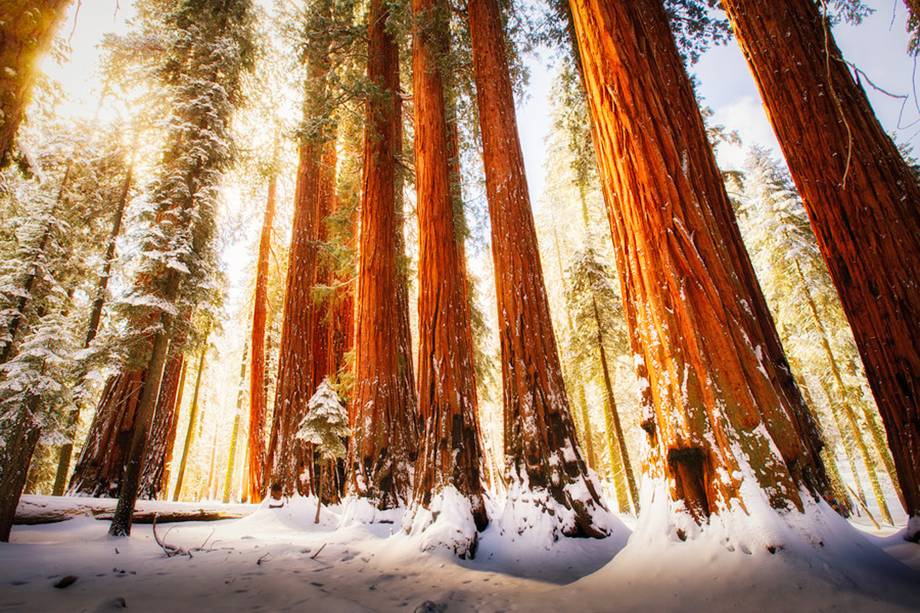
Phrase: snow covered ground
[277,560]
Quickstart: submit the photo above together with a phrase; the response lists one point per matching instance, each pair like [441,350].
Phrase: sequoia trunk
[541,447]
[861,197]
[382,416]
[719,396]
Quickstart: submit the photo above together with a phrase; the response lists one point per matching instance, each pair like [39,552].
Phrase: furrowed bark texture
[25,35]
[289,459]
[99,469]
[862,199]
[449,450]
[541,446]
[382,417]
[257,387]
[719,394]
[16,458]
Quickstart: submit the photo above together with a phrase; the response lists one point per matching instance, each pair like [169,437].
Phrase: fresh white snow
[360,559]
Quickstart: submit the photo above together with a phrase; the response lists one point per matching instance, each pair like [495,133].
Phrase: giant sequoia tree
[724,419]
[862,199]
[303,353]
[383,408]
[541,449]
[448,468]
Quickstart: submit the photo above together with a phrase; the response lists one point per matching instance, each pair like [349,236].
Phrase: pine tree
[861,197]
[208,49]
[325,427]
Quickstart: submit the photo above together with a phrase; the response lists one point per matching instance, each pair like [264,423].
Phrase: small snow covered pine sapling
[325,426]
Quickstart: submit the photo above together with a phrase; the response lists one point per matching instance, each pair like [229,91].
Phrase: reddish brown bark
[257,386]
[25,35]
[383,441]
[861,197]
[303,354]
[541,446]
[99,470]
[719,394]
[450,453]
[162,430]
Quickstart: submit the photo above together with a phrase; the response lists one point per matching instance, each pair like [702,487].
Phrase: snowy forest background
[154,179]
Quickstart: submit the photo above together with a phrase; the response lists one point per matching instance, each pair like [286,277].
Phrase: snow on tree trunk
[726,427]
[448,466]
[861,197]
[257,389]
[541,448]
[383,406]
[25,36]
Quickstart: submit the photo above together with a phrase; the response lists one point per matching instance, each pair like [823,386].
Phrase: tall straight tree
[257,388]
[207,49]
[26,33]
[541,447]
[383,407]
[862,199]
[723,417]
[288,457]
[448,467]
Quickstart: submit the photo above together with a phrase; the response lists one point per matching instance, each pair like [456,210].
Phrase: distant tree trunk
[846,400]
[92,328]
[383,407]
[541,448]
[861,197]
[846,441]
[192,423]
[707,345]
[257,388]
[234,434]
[615,435]
[588,434]
[25,36]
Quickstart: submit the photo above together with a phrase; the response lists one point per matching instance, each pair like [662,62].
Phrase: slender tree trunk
[257,389]
[846,441]
[719,394]
[319,491]
[846,401]
[861,197]
[25,36]
[192,423]
[162,429]
[841,501]
[588,434]
[130,482]
[383,407]
[541,448]
[614,427]
[234,434]
[92,328]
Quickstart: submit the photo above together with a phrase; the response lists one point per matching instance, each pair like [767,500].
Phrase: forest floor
[278,560]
